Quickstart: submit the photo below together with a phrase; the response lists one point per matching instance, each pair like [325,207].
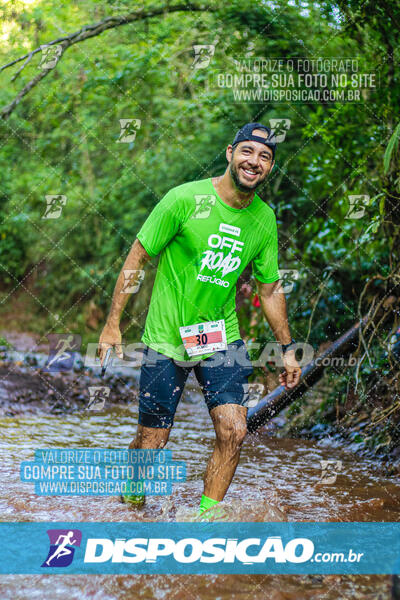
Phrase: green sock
[134,499]
[206,503]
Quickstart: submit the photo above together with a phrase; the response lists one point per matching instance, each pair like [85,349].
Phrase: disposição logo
[62,547]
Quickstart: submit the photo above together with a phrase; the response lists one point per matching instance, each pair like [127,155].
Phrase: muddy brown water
[277,479]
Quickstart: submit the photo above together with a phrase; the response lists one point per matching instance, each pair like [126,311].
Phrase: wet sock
[137,498]
[206,503]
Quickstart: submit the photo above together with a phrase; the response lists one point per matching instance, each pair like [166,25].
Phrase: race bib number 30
[204,338]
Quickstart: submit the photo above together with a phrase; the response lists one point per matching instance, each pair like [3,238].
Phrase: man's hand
[110,338]
[111,335]
[290,377]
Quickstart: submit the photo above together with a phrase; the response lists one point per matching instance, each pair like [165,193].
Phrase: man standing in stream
[206,233]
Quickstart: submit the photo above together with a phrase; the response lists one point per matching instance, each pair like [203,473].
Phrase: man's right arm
[111,334]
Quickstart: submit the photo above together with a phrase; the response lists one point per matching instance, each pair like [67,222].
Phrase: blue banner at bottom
[200,548]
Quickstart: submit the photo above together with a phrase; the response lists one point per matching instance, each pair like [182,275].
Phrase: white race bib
[203,338]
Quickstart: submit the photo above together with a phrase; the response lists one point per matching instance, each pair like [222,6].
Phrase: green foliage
[391,148]
[5,343]
[63,139]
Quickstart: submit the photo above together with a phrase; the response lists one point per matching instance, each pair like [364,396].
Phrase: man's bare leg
[230,428]
[146,438]
[150,437]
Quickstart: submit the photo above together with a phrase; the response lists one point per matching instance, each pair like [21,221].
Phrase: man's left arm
[273,304]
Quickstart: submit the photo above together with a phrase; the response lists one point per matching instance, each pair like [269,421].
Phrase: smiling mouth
[249,173]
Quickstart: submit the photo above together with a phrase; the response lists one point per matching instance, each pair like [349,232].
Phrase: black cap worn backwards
[246,133]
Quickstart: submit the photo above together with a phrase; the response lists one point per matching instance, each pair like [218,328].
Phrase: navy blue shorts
[223,378]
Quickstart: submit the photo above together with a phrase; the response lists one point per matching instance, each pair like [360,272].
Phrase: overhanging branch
[86,32]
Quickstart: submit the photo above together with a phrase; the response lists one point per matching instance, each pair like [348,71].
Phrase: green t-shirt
[205,245]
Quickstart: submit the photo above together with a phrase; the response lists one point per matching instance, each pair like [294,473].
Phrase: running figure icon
[62,549]
[62,350]
[65,344]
